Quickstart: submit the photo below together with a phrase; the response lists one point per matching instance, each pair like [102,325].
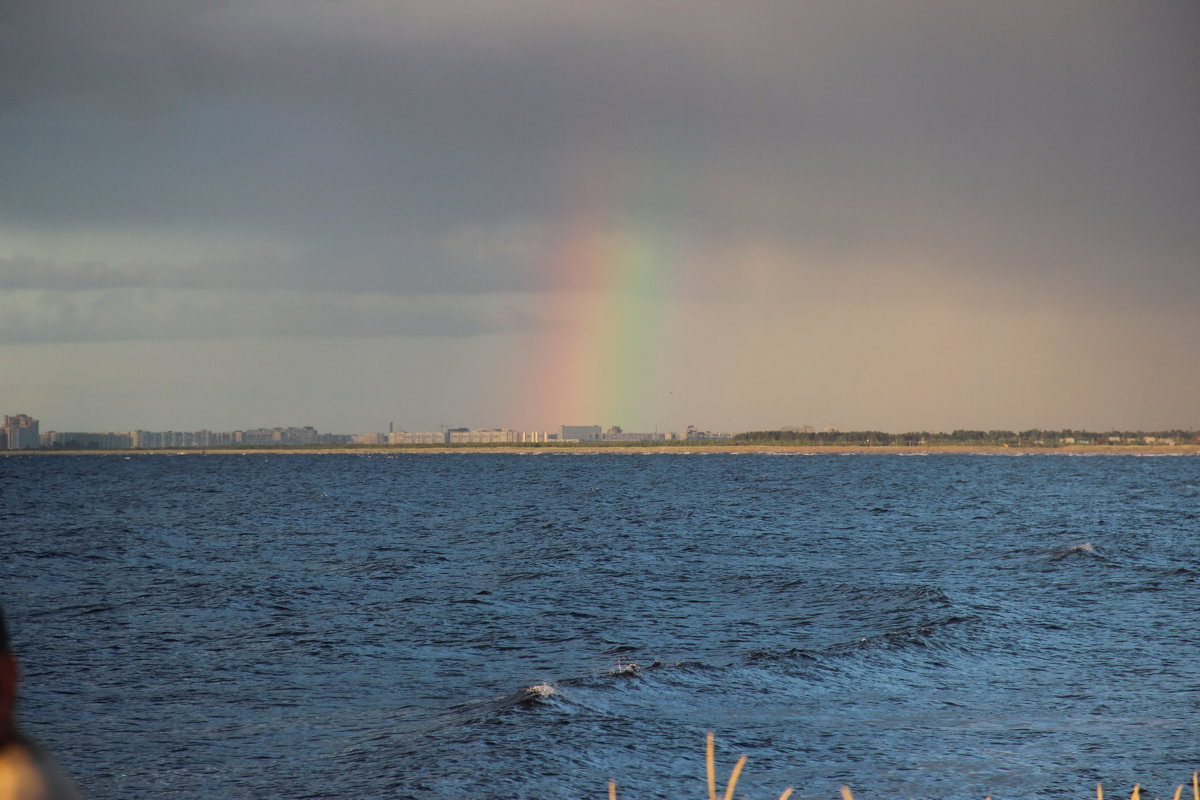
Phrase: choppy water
[327,626]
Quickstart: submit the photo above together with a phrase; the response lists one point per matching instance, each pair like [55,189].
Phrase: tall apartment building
[20,432]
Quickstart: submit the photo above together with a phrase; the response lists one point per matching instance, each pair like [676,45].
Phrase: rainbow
[613,268]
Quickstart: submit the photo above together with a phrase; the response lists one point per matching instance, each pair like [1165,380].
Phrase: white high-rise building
[21,432]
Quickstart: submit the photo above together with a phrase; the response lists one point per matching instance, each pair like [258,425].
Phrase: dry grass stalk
[711,771]
[711,767]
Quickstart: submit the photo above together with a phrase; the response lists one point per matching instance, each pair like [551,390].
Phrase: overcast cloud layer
[893,215]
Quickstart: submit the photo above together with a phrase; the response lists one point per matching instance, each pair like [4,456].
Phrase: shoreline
[706,449]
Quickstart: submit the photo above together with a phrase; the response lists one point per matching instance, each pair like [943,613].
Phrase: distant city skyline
[23,431]
[909,215]
[563,429]
[399,424]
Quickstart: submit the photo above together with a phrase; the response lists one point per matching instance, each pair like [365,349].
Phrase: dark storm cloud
[1017,136]
[128,53]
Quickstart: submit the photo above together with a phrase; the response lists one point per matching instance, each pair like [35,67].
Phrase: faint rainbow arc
[614,267]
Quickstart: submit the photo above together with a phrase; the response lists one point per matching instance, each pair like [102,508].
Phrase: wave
[1083,549]
[471,711]
[815,665]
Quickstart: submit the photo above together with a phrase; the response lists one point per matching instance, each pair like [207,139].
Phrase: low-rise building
[632,436]
[692,433]
[71,440]
[417,437]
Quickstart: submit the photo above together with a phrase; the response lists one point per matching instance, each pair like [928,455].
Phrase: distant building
[369,438]
[417,437]
[20,432]
[219,438]
[86,441]
[481,436]
[531,437]
[497,435]
[692,433]
[631,436]
[280,436]
[580,433]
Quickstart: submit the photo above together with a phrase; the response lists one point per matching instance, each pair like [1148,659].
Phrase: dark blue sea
[369,626]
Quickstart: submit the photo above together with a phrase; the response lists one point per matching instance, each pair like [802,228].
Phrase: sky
[352,214]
